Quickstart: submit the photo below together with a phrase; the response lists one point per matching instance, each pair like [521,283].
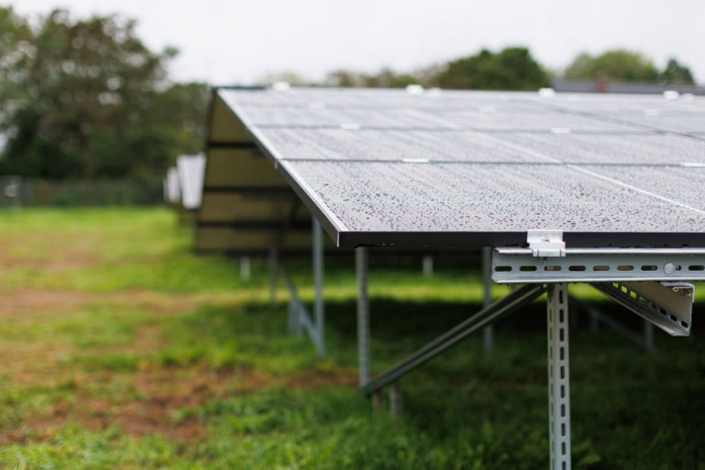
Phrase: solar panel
[172,194]
[247,206]
[190,168]
[388,168]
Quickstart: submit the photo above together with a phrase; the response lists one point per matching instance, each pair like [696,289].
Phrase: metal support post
[427,266]
[488,332]
[294,322]
[395,403]
[558,377]
[377,401]
[363,316]
[245,268]
[318,306]
[273,268]
[648,336]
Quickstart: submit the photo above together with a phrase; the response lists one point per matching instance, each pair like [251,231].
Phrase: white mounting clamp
[546,243]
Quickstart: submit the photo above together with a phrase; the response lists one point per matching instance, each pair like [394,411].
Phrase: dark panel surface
[495,198]
[381,167]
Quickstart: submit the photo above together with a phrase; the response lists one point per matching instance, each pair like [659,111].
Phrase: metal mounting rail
[522,266]
[483,318]
[301,315]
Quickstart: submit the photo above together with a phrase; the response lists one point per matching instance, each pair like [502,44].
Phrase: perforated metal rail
[521,266]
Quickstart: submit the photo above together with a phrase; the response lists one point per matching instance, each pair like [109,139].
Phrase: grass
[122,349]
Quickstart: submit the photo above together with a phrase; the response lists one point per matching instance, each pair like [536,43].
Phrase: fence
[21,192]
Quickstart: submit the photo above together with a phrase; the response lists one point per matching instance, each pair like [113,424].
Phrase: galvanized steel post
[245,268]
[558,377]
[648,336]
[273,268]
[427,266]
[488,332]
[363,315]
[395,403]
[318,306]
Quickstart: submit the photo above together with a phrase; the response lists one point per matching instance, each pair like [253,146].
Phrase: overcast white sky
[229,42]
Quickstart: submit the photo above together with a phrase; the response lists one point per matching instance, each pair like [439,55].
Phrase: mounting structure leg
[318,305]
[427,266]
[558,377]
[648,336]
[273,268]
[363,316]
[294,320]
[395,403]
[245,268]
[488,332]
[377,402]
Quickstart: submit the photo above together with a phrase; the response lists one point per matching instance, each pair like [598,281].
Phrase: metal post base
[558,377]
[273,268]
[648,337]
[294,317]
[395,403]
[245,268]
[377,402]
[427,266]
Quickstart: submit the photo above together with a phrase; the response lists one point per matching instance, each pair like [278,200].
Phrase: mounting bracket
[522,266]
[546,243]
[668,305]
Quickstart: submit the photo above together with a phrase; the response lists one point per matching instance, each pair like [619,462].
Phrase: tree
[618,65]
[343,78]
[14,47]
[292,78]
[385,78]
[94,101]
[511,69]
[676,73]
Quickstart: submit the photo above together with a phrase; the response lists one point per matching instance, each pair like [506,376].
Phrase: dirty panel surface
[397,145]
[487,198]
[637,148]
[388,161]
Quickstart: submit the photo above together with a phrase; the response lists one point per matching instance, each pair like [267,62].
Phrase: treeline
[514,68]
[86,99]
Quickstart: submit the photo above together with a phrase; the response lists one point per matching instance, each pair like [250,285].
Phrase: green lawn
[122,349]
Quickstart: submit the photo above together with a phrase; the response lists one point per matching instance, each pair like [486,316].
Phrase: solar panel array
[445,168]
[191,168]
[247,206]
[172,193]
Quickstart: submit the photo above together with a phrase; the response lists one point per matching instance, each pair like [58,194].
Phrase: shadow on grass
[622,398]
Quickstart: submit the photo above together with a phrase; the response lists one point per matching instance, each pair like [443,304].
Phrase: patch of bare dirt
[316,379]
[163,393]
[58,258]
[33,301]
[21,302]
